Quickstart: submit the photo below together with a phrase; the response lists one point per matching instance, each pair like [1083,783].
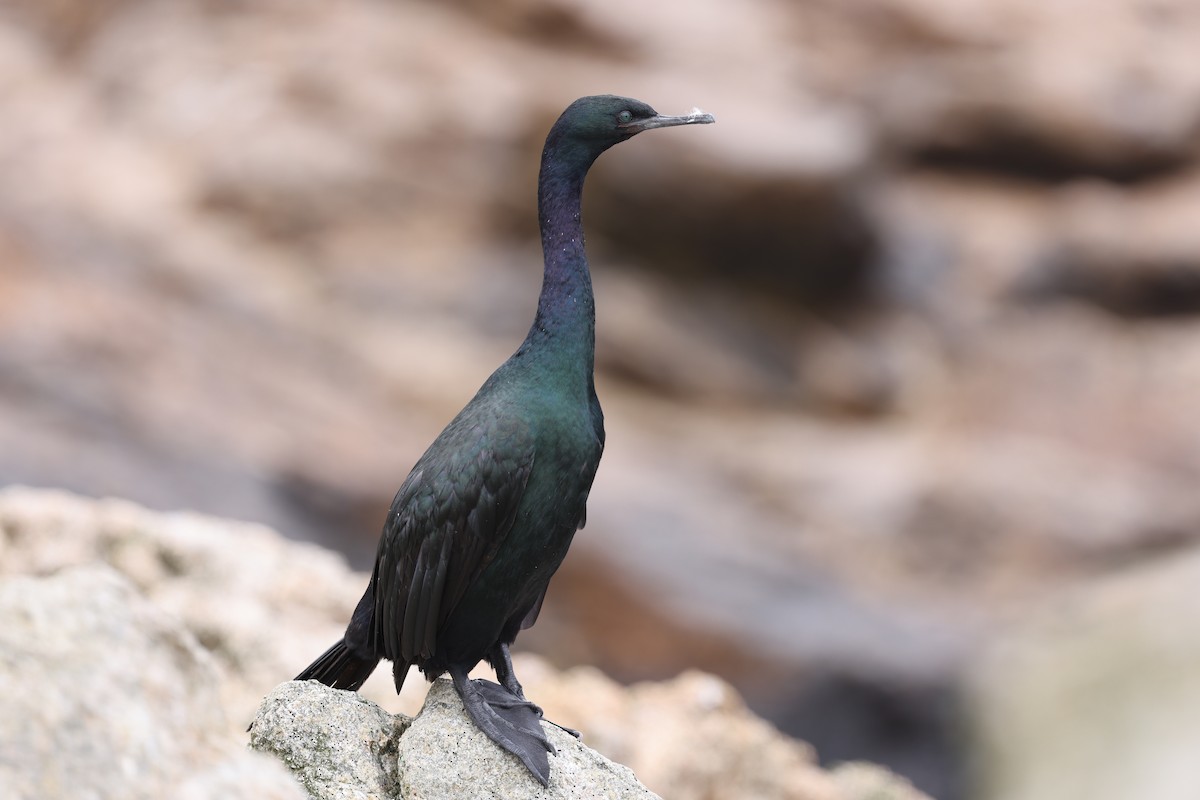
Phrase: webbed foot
[511,722]
[501,661]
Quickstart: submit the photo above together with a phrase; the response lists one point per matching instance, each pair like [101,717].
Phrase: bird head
[596,123]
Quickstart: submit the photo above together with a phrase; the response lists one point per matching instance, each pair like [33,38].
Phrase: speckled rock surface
[443,752]
[337,744]
[341,747]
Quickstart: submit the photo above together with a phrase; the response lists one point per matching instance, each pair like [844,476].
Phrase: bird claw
[565,729]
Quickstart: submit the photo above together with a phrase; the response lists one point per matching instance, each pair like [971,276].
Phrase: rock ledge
[340,746]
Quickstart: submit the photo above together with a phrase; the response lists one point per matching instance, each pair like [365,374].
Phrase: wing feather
[412,633]
[446,524]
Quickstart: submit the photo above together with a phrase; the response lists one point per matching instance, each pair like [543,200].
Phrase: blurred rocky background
[900,359]
[136,647]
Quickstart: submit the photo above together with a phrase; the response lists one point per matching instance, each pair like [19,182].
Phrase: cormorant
[487,513]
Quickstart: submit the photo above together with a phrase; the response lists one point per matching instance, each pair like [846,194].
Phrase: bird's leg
[501,661]
[517,730]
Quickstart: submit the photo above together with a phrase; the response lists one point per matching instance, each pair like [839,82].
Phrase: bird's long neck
[566,313]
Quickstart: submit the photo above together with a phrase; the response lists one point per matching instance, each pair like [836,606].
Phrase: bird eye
[625,117]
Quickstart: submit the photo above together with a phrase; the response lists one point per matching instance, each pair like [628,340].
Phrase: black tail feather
[340,668]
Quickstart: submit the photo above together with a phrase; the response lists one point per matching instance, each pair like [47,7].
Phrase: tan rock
[101,693]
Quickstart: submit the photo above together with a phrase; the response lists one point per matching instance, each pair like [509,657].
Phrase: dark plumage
[486,515]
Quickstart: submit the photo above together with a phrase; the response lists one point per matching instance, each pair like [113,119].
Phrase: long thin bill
[696,117]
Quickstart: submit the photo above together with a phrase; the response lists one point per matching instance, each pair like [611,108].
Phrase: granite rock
[337,744]
[443,751]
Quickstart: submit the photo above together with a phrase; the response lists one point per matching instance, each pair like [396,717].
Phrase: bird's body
[497,499]
[487,514]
